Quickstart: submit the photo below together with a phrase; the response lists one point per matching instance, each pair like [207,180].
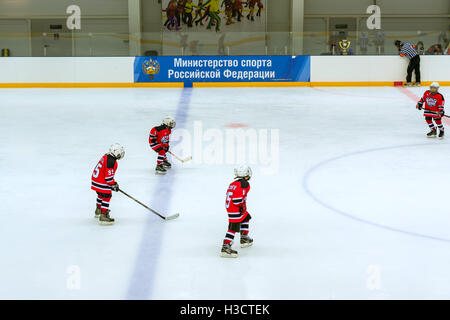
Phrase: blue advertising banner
[189,69]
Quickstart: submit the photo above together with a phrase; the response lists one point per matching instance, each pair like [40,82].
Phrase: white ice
[373,223]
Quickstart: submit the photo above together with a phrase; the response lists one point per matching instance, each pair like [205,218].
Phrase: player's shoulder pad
[110,162]
[160,127]
[244,183]
[442,96]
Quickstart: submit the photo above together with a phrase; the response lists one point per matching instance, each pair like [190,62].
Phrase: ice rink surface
[356,207]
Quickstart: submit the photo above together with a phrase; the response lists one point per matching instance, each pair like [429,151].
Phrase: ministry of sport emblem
[151,68]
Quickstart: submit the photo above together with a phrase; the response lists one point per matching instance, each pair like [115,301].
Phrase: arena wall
[375,70]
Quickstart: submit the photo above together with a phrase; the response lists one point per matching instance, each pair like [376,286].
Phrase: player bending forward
[103,182]
[159,141]
[434,109]
[238,215]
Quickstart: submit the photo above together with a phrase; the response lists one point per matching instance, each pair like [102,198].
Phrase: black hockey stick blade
[150,209]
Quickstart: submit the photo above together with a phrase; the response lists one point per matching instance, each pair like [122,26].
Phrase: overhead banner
[222,69]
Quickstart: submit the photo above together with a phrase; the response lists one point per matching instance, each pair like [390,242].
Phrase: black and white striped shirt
[408,51]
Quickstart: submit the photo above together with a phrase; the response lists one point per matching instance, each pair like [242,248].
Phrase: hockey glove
[167,149]
[419,106]
[441,113]
[115,187]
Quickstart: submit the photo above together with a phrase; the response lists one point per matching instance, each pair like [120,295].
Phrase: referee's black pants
[414,65]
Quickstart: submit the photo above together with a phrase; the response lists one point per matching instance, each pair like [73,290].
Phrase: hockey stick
[179,159]
[446,116]
[150,209]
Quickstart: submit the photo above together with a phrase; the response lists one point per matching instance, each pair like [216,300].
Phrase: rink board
[213,84]
[215,71]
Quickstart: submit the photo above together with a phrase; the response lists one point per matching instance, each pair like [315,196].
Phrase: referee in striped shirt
[409,51]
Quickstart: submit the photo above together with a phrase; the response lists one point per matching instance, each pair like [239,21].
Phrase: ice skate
[98,212]
[417,84]
[105,219]
[228,252]
[160,169]
[431,134]
[408,84]
[441,134]
[166,164]
[246,241]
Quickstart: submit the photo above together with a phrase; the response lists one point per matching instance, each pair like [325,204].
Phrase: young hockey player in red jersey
[103,182]
[159,141]
[434,109]
[238,216]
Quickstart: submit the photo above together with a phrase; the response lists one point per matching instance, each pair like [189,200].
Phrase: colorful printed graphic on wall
[218,15]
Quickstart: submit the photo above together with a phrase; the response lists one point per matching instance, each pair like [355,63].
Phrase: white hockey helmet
[243,171]
[435,85]
[169,121]
[117,151]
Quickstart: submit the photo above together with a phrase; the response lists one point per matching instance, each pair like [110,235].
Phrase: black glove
[419,105]
[115,187]
[167,148]
[441,113]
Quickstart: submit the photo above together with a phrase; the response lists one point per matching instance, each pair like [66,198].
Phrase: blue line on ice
[142,279]
[320,165]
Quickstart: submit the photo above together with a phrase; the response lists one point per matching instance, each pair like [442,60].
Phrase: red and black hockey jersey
[103,175]
[236,200]
[159,137]
[434,104]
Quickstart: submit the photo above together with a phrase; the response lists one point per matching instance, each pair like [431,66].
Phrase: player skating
[172,12]
[103,182]
[433,110]
[238,216]
[214,10]
[228,10]
[205,14]
[188,9]
[251,5]
[260,7]
[159,141]
[237,9]
[198,13]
